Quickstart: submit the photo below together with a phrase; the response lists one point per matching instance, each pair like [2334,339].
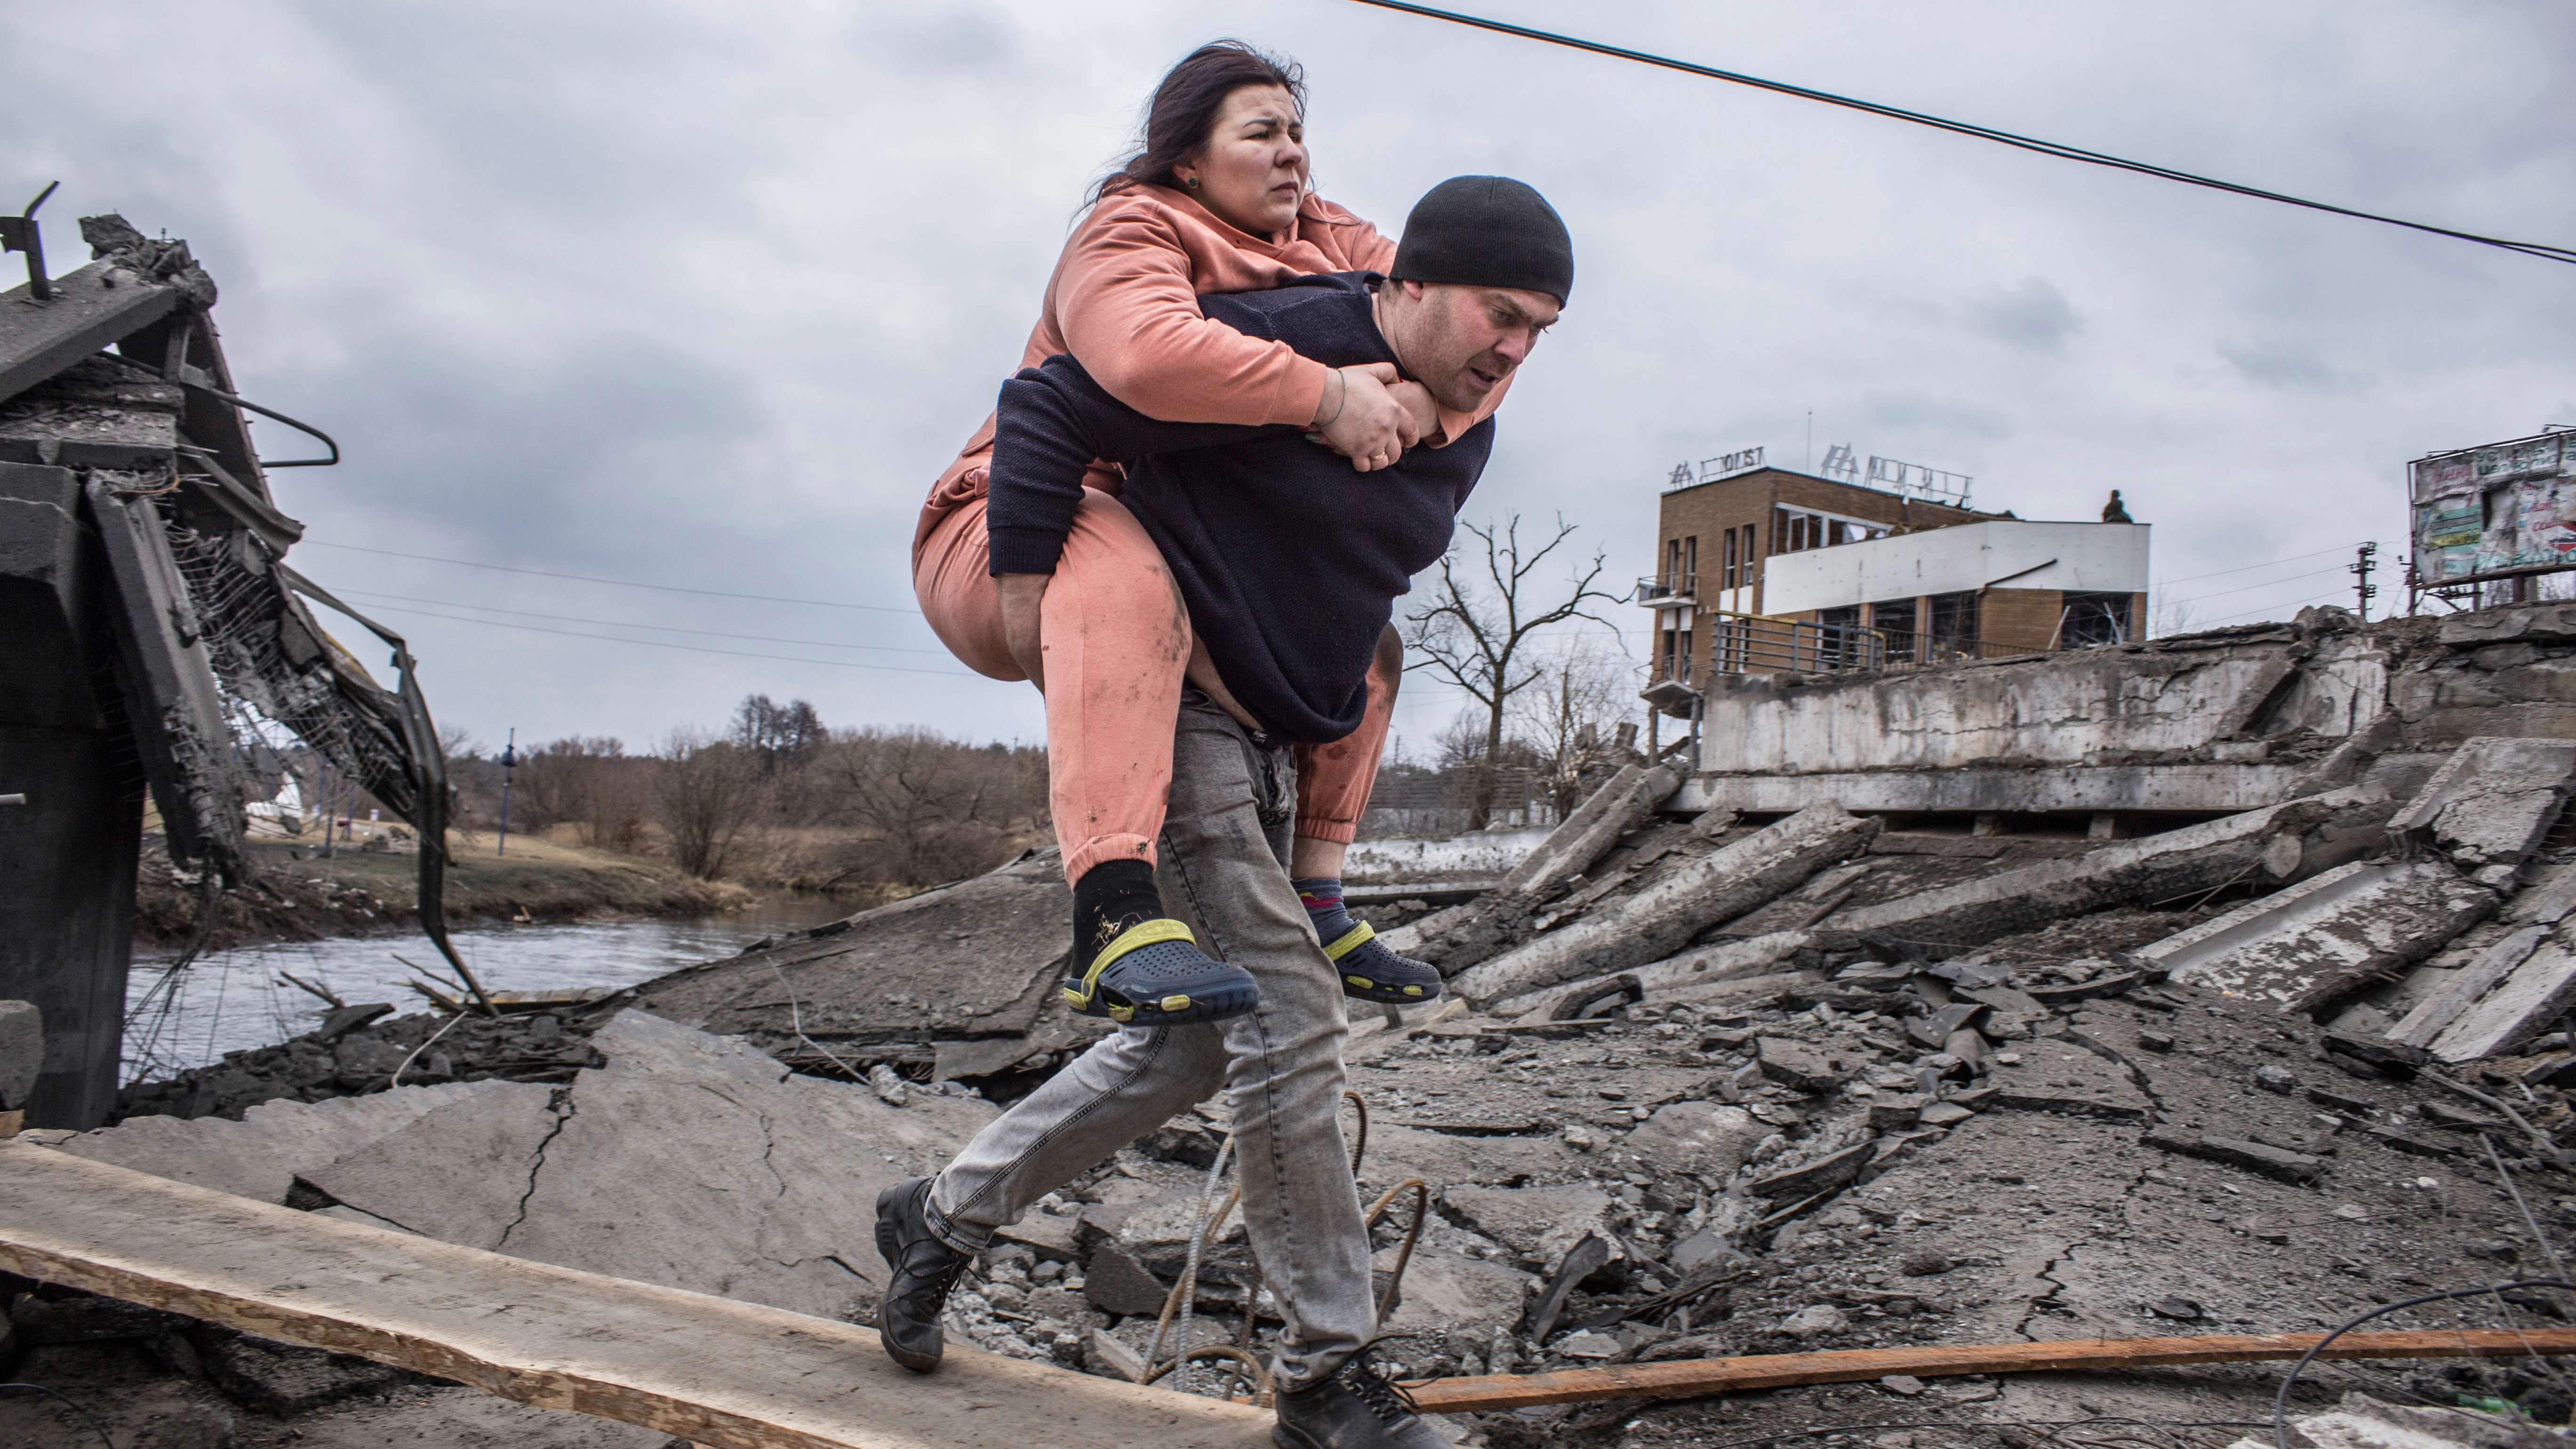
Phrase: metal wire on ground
[1182,1300]
[796,1022]
[70,1403]
[1412,1236]
[2281,1401]
[1189,1284]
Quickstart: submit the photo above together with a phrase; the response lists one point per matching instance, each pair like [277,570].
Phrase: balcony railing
[1754,644]
[1667,591]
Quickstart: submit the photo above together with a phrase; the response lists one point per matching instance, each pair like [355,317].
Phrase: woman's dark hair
[1185,106]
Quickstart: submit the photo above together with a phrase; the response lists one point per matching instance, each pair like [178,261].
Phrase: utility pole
[2364,561]
[509,762]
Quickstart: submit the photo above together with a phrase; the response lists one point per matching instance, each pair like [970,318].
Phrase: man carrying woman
[1274,567]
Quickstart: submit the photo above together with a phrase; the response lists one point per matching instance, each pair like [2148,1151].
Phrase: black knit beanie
[1487,231]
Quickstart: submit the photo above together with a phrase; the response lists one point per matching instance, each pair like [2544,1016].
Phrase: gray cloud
[2287,365]
[643,291]
[2032,315]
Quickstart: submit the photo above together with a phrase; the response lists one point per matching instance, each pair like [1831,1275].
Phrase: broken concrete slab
[1802,1067]
[1824,1174]
[1595,826]
[2275,1162]
[2523,623]
[1675,978]
[2267,844]
[1704,1138]
[2309,945]
[1443,1290]
[991,945]
[2522,1005]
[1536,1223]
[261,1155]
[2420,1026]
[1660,919]
[698,1162]
[483,1150]
[2547,900]
[690,1160]
[1396,1152]
[2492,801]
[2060,1075]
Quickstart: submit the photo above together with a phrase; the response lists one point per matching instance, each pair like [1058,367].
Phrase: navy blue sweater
[1289,560]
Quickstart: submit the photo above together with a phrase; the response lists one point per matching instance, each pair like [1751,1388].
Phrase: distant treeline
[778,796]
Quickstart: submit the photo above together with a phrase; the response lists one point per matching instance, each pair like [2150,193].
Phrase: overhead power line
[621,583]
[2249,568]
[691,648]
[632,624]
[1963,128]
[2266,584]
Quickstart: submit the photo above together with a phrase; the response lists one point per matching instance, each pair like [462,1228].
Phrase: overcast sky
[704,295]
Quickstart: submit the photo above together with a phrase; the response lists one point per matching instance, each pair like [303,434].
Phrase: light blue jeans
[1224,870]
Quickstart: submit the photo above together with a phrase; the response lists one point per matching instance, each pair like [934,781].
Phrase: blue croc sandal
[1154,974]
[1371,970]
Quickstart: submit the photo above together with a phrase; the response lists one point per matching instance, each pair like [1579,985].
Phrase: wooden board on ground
[1691,1378]
[722,1373]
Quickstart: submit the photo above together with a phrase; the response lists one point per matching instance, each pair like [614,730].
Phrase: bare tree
[707,792]
[2171,616]
[589,782]
[1477,631]
[1586,689]
[929,808]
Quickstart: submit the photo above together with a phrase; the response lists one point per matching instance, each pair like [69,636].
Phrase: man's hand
[1364,422]
[1021,596]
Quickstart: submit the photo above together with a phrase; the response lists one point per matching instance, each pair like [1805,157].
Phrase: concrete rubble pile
[1711,1080]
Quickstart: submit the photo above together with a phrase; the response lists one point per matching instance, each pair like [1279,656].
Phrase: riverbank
[302,895]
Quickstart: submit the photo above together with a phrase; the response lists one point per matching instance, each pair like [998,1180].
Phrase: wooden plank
[1688,1378]
[722,1373]
[39,339]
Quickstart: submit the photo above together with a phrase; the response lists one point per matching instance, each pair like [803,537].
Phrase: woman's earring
[1191,182]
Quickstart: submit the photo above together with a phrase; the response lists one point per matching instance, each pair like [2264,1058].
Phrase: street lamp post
[509,762]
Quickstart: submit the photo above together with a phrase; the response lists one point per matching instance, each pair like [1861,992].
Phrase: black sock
[1110,899]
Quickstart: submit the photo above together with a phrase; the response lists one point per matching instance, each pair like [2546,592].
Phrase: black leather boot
[924,1270]
[1352,1408]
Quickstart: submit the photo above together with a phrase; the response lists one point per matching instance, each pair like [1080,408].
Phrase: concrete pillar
[2103,826]
[67,918]
[67,854]
[1988,823]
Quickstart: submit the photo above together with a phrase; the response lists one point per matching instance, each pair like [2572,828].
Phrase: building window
[1672,563]
[1954,626]
[1894,619]
[1838,641]
[1690,566]
[2090,619]
[1726,579]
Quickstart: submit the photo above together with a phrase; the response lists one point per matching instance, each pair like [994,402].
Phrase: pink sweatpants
[1117,643]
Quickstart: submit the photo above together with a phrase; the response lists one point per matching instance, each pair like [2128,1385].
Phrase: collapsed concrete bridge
[158,641]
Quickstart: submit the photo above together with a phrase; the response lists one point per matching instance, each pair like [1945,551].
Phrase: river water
[231,1000]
